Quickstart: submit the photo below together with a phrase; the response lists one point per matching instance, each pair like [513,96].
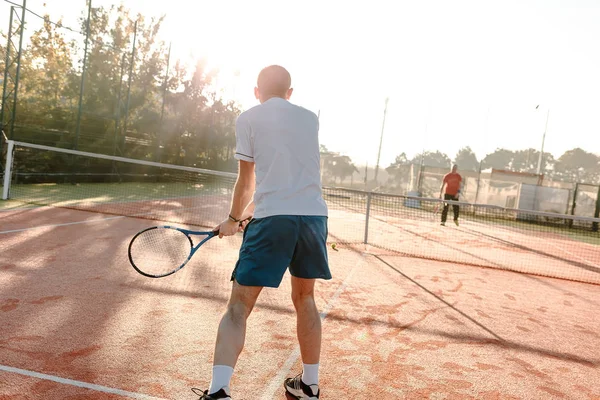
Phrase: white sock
[220,378]
[310,374]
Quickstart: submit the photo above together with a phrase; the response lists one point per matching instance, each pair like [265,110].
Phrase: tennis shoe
[221,394]
[443,224]
[300,390]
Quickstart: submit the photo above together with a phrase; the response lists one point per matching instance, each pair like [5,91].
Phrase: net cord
[123,159]
[465,204]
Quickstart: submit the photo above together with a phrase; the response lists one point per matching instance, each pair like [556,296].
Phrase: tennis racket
[161,251]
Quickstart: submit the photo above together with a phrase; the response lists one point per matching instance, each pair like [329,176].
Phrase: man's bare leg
[308,327]
[232,334]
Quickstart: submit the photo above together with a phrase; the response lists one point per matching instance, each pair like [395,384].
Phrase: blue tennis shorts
[273,244]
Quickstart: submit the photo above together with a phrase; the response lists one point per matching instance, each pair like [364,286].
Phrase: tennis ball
[334,246]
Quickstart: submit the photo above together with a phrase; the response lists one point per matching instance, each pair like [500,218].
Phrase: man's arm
[443,184]
[244,189]
[241,203]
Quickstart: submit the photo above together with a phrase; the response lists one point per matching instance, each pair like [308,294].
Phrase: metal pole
[162,110]
[129,80]
[8,169]
[367,214]
[381,139]
[597,212]
[118,113]
[574,205]
[14,110]
[478,182]
[539,166]
[6,64]
[81,87]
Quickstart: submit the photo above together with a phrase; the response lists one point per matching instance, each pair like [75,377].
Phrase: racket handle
[216,233]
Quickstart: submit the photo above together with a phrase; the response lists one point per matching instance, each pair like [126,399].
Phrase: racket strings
[160,251]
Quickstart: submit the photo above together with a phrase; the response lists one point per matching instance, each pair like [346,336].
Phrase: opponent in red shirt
[452,182]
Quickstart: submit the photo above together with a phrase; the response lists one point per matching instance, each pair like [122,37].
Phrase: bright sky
[457,73]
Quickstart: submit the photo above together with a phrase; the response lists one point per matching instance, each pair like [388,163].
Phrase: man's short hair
[274,80]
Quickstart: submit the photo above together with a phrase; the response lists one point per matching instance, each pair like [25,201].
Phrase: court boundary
[81,384]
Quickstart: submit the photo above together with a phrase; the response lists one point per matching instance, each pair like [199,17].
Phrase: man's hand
[247,216]
[228,228]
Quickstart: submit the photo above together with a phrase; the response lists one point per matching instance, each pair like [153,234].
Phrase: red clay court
[77,322]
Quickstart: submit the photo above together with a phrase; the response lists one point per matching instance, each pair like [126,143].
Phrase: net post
[367,214]
[8,169]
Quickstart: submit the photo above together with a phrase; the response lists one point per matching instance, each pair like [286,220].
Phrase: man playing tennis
[452,182]
[278,152]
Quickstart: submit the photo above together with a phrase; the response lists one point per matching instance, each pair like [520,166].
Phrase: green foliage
[432,159]
[337,166]
[117,118]
[466,160]
[499,159]
[578,165]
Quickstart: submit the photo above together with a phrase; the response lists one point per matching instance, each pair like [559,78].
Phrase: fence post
[574,203]
[367,214]
[129,79]
[478,183]
[574,198]
[8,169]
[597,213]
[82,85]
[6,76]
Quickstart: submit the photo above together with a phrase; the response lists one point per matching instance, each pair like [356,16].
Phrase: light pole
[539,166]
[381,138]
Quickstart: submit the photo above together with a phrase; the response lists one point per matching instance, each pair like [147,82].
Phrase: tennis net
[526,241]
[534,242]
[47,176]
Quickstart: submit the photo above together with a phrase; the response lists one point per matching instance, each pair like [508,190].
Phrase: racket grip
[216,232]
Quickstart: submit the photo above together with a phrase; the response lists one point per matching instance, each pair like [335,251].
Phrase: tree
[399,172]
[499,159]
[432,159]
[577,165]
[47,77]
[194,119]
[337,166]
[401,159]
[525,160]
[466,159]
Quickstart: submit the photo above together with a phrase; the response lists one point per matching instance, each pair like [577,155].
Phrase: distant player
[278,151]
[452,182]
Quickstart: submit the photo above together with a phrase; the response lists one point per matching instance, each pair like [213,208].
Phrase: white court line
[277,382]
[87,221]
[80,384]
[591,264]
[18,209]
[65,224]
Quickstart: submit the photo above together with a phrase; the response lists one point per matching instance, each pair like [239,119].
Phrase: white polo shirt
[282,139]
